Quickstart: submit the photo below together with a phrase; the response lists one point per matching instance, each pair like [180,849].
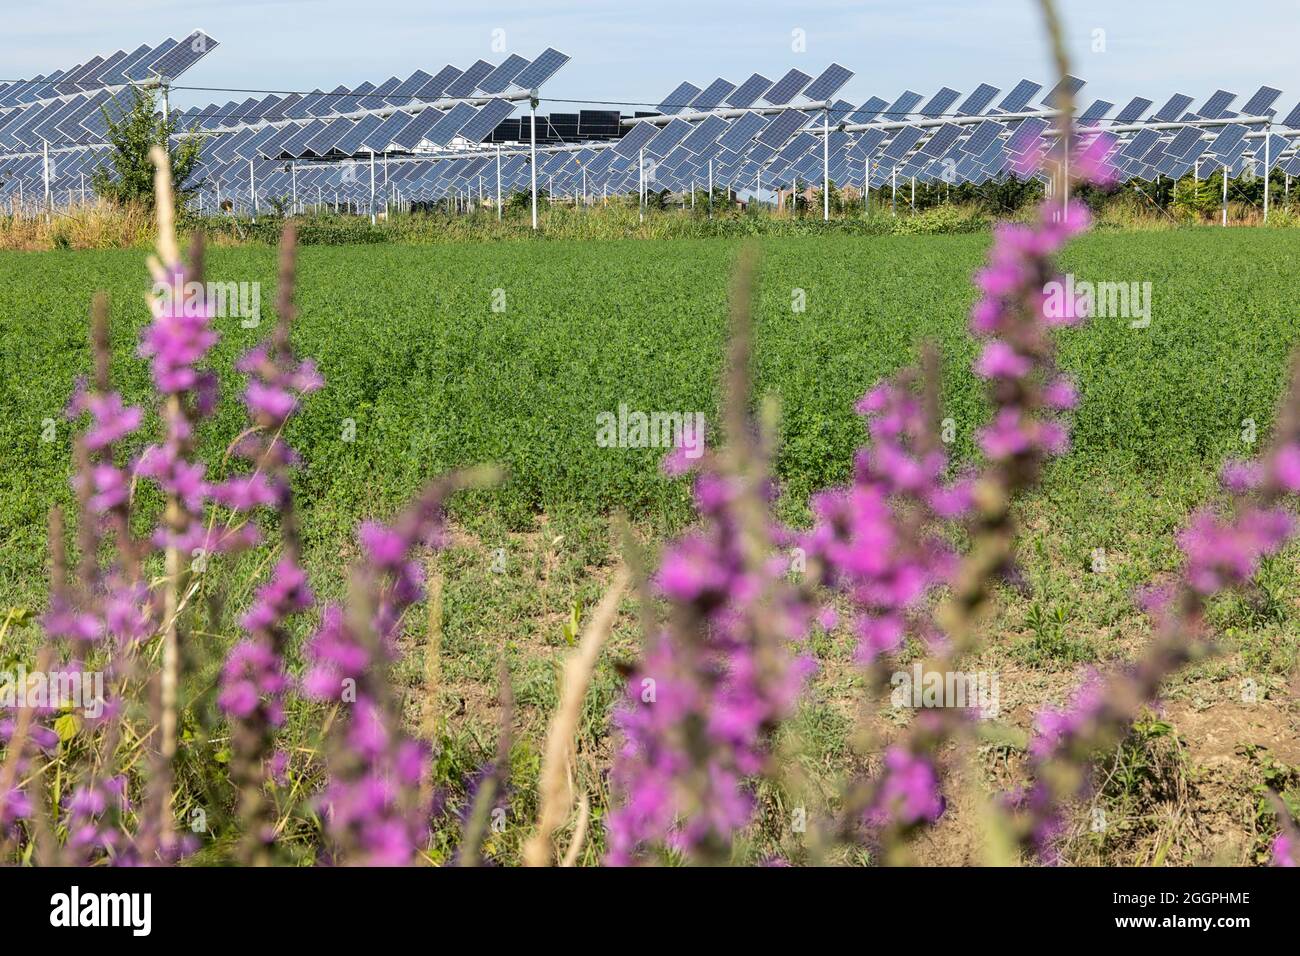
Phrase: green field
[431,376]
[414,354]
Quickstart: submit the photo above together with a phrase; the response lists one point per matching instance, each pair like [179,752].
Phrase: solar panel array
[452,132]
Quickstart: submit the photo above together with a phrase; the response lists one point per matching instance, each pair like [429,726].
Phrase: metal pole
[293,170]
[913,202]
[826,165]
[1267,131]
[866,188]
[252,189]
[532,138]
[893,195]
[498,183]
[372,188]
[640,203]
[48,198]
[1225,196]
[710,189]
[1065,177]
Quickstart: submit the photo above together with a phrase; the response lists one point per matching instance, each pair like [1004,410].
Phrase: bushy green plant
[132,136]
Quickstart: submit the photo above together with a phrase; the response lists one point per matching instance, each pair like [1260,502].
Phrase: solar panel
[784,126]
[713,95]
[903,140]
[787,88]
[839,111]
[1217,104]
[1136,107]
[183,55]
[1068,84]
[1019,97]
[451,123]
[407,89]
[488,118]
[679,99]
[742,132]
[705,134]
[499,78]
[1275,146]
[1184,142]
[747,94]
[868,111]
[1258,104]
[1027,135]
[668,138]
[1293,118]
[141,69]
[940,103]
[637,137]
[114,74]
[1227,140]
[1094,113]
[467,82]
[941,140]
[75,81]
[980,138]
[541,69]
[254,145]
[903,106]
[351,141]
[797,147]
[830,82]
[378,140]
[410,135]
[1140,143]
[1173,109]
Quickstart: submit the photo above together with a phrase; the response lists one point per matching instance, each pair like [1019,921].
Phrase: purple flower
[909,791]
[1285,850]
[696,720]
[1000,360]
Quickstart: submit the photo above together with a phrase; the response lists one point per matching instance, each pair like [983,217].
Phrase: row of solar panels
[946,137]
[483,79]
[167,60]
[83,118]
[591,170]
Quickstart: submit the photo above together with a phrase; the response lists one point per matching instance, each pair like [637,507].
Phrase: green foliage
[433,377]
[1194,199]
[132,137]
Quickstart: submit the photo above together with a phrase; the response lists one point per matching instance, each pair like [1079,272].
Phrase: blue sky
[638,50]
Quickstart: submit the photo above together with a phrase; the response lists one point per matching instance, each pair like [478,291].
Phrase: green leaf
[66,727]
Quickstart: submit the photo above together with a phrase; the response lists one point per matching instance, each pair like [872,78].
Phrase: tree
[132,137]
